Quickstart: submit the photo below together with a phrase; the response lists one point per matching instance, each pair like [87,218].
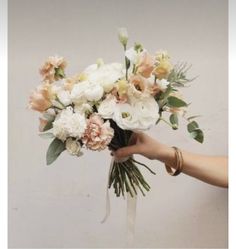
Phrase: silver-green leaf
[54,150]
[175,102]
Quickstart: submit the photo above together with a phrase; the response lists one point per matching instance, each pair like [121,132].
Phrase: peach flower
[53,68]
[40,99]
[145,65]
[138,82]
[97,134]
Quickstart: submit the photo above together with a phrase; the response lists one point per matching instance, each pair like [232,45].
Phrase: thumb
[127,151]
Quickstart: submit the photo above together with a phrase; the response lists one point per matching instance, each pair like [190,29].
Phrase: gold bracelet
[178,163]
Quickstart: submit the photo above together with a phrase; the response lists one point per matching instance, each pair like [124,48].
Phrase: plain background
[61,205]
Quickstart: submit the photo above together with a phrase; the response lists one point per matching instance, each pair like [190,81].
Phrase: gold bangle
[178,163]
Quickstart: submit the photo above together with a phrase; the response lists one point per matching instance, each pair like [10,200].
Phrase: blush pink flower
[98,133]
[145,65]
[53,68]
[40,99]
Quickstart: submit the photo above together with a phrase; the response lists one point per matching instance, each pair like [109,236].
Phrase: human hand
[141,143]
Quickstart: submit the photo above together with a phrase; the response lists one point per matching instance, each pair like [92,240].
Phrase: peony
[145,65]
[125,116]
[73,147]
[107,106]
[147,112]
[41,98]
[69,124]
[53,68]
[97,134]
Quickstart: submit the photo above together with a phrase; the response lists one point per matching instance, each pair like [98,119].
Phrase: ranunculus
[145,65]
[93,92]
[73,147]
[97,134]
[125,116]
[107,106]
[53,68]
[147,112]
[40,99]
[69,124]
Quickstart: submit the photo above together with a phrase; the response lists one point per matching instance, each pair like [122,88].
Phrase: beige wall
[61,205]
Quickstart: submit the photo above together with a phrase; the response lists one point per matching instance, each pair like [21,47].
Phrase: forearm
[210,169]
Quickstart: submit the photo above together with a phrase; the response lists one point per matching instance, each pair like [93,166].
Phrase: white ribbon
[131,208]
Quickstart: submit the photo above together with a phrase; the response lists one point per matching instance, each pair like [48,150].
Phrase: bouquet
[102,106]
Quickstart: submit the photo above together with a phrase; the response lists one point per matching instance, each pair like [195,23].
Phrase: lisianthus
[98,133]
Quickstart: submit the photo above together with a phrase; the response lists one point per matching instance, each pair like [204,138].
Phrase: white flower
[107,106]
[133,55]
[162,84]
[78,92]
[147,113]
[106,75]
[64,97]
[125,117]
[93,92]
[83,108]
[69,124]
[73,147]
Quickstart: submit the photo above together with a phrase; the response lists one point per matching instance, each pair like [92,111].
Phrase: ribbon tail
[108,205]
[131,215]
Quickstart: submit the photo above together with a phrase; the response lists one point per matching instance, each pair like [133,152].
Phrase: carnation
[69,124]
[98,133]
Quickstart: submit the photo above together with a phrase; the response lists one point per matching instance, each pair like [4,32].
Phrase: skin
[210,169]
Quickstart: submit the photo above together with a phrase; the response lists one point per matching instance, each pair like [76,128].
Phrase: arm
[210,169]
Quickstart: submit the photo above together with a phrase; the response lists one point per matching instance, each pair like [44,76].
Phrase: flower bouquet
[104,104]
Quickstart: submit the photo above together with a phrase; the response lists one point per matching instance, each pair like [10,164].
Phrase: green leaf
[192,126]
[192,117]
[54,150]
[48,126]
[165,94]
[174,121]
[127,62]
[197,135]
[46,135]
[175,102]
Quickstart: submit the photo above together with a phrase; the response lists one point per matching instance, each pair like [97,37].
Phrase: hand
[142,144]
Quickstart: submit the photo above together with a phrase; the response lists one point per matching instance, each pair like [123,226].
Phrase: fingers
[127,151]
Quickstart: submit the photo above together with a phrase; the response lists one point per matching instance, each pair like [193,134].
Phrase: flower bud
[123,36]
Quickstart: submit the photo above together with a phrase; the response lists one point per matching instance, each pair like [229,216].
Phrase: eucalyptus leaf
[174,121]
[197,135]
[192,126]
[173,101]
[46,135]
[54,150]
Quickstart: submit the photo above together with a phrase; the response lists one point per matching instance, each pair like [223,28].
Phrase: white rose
[125,117]
[78,92]
[93,92]
[64,97]
[147,112]
[73,147]
[107,106]
[162,84]
[69,124]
